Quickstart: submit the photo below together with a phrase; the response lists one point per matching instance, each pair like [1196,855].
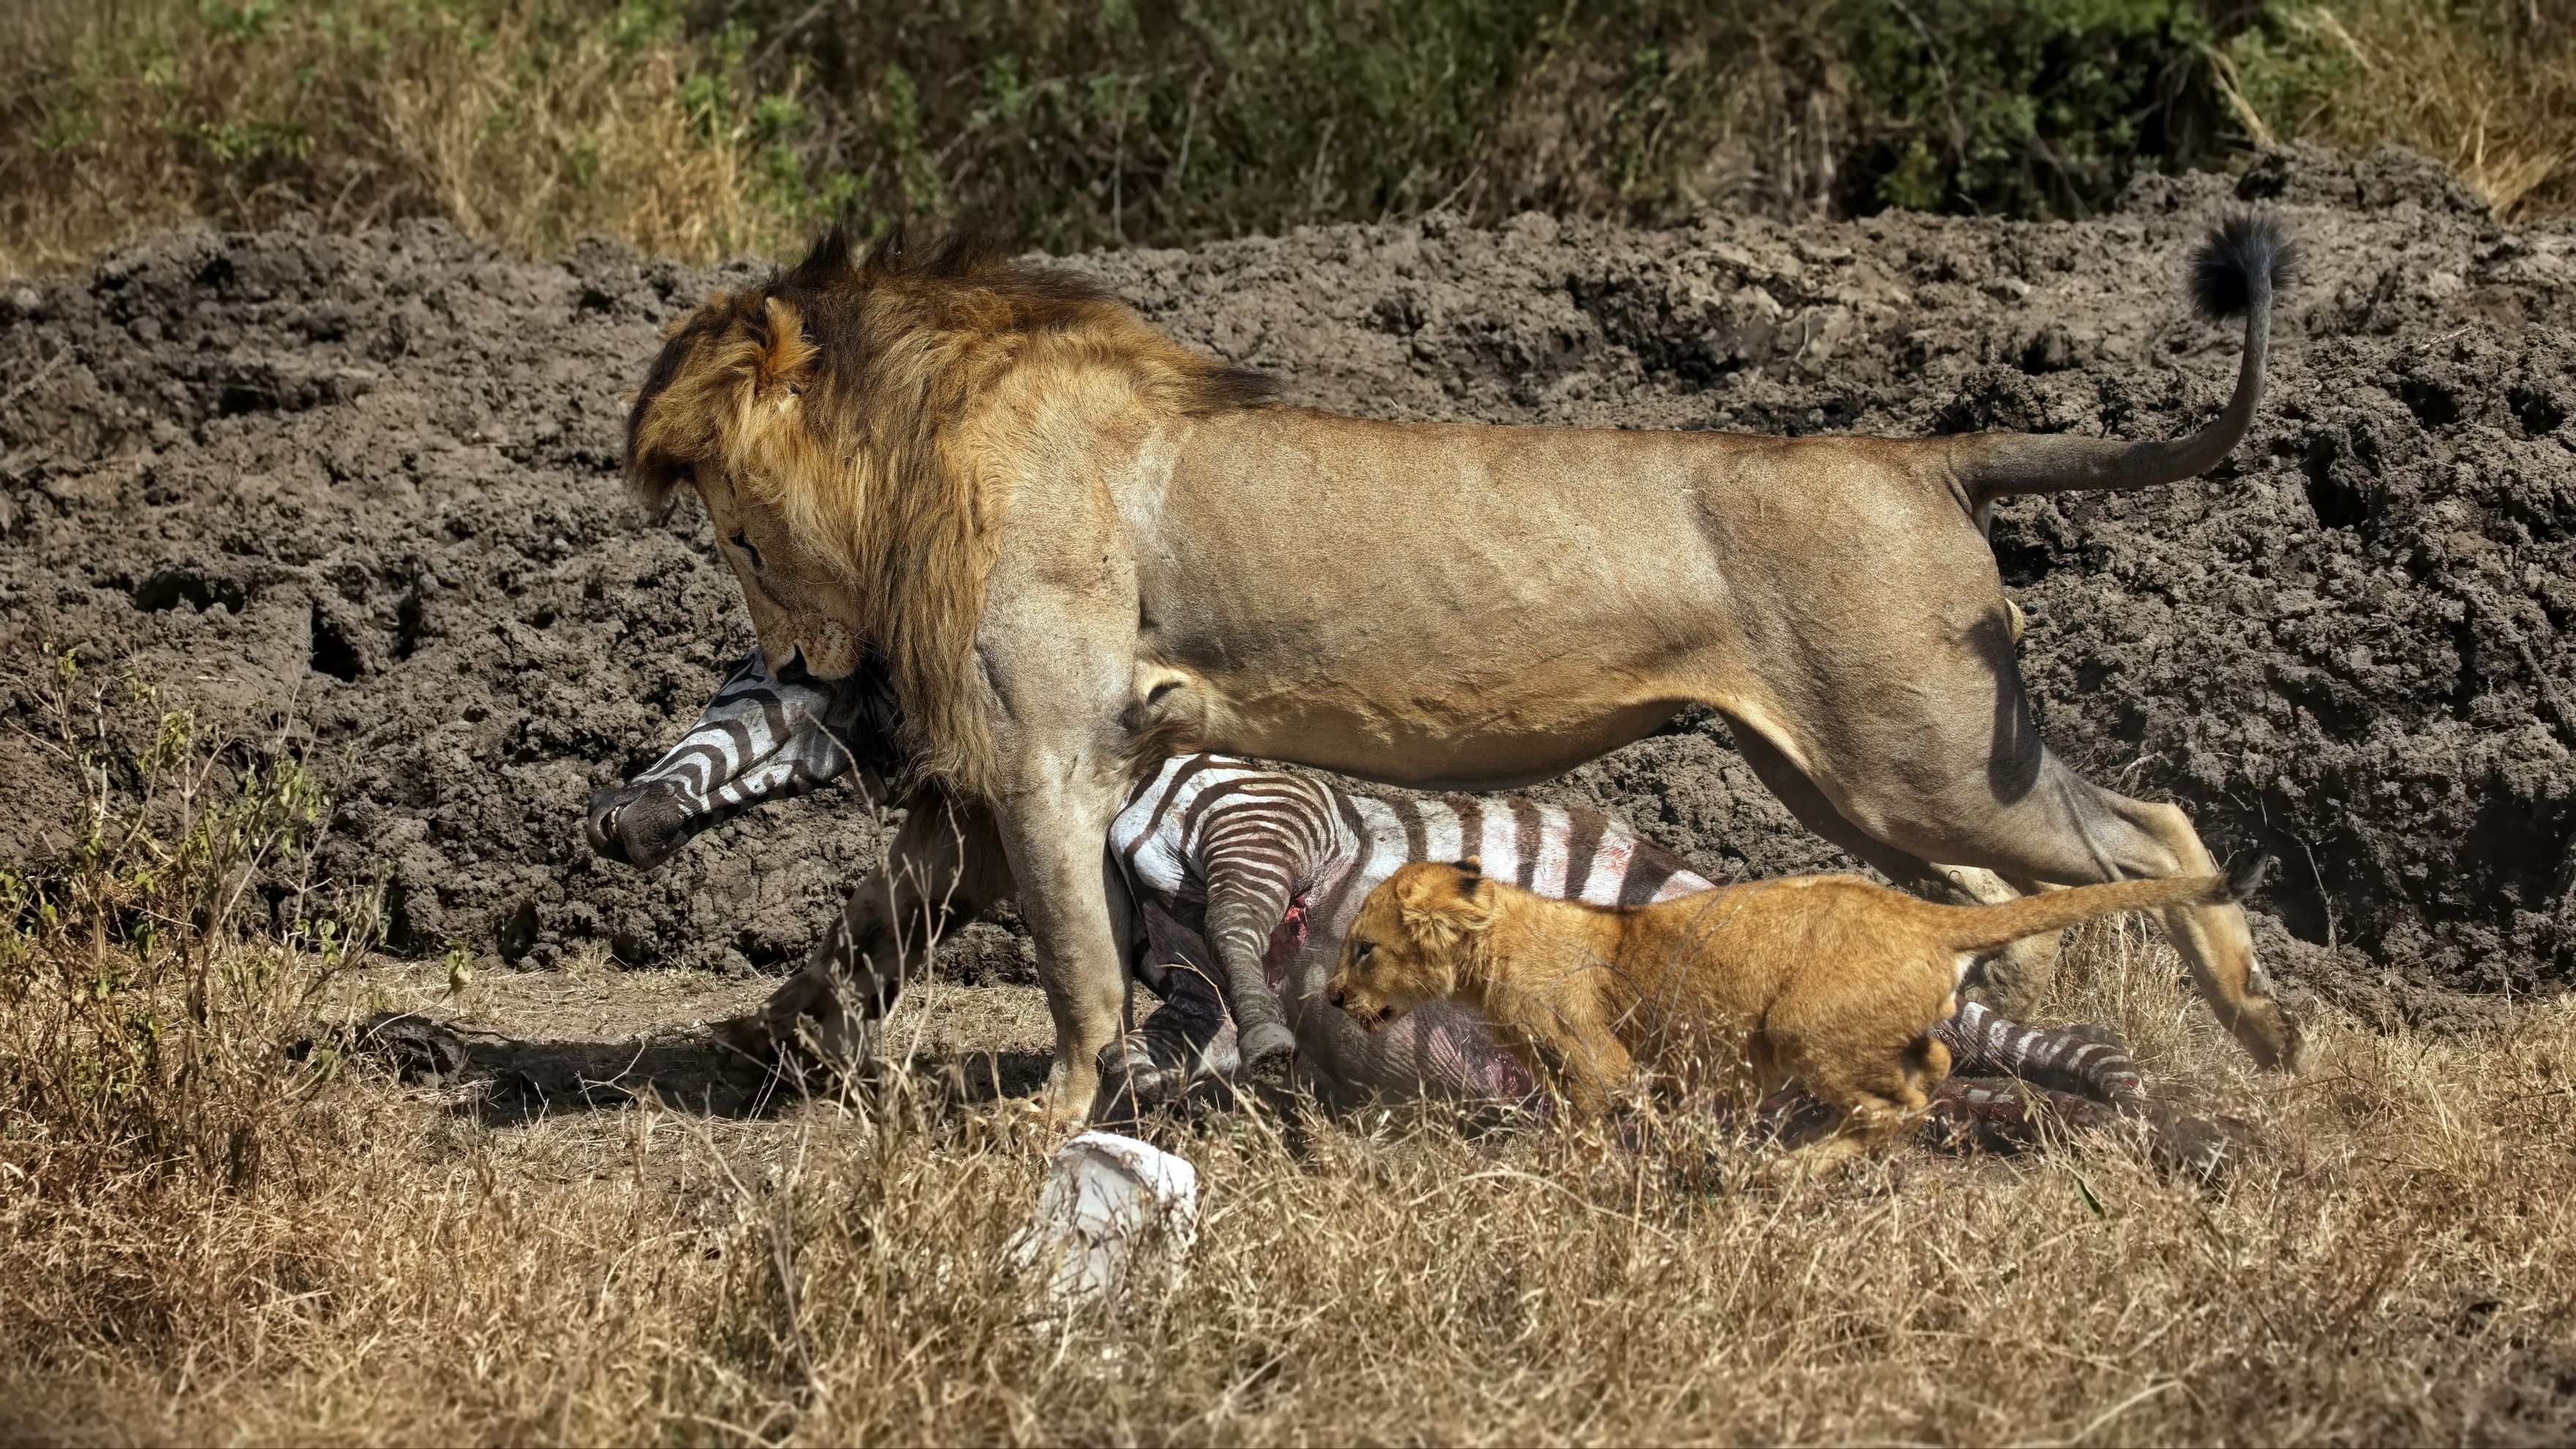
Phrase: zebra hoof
[1267,1050]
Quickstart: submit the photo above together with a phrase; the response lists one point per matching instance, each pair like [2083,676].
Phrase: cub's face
[1412,935]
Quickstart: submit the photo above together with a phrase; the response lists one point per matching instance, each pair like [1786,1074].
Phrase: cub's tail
[2236,270]
[1984,928]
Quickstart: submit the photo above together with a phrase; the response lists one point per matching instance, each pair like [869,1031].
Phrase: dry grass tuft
[524,122]
[2394,1258]
[2488,86]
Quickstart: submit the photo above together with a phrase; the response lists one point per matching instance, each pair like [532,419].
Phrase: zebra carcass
[1241,882]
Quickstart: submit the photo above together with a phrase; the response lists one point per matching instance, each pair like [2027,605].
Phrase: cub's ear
[785,356]
[1446,902]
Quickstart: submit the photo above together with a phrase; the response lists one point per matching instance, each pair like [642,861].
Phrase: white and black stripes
[1234,847]
[760,738]
[2083,1060]
[1268,836]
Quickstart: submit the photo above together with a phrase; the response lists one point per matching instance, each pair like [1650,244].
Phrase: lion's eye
[748,551]
[1365,948]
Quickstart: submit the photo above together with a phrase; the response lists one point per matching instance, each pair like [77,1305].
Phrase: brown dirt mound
[375,478]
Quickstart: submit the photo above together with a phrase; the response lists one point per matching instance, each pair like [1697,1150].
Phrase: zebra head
[761,738]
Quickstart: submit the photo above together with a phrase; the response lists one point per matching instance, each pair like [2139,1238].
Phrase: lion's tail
[1985,928]
[2237,268]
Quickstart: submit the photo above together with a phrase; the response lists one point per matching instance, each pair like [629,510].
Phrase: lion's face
[800,608]
[725,413]
[1410,941]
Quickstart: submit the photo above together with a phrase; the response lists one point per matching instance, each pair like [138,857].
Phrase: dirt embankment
[374,480]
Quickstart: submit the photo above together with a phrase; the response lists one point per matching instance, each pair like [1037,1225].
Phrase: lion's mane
[886,353]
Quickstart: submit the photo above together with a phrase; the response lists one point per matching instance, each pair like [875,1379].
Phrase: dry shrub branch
[2487,86]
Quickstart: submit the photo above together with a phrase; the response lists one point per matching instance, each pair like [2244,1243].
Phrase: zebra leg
[1187,1040]
[944,868]
[1253,857]
[1242,933]
[2089,1061]
[2002,1114]
[2077,1071]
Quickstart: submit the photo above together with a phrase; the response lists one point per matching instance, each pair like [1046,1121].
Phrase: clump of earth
[358,498]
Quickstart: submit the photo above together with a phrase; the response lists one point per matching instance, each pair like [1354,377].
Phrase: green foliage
[528,121]
[1071,123]
[1076,124]
[2291,71]
[2025,107]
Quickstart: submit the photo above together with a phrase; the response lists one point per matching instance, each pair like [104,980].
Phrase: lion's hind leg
[1978,789]
[2066,830]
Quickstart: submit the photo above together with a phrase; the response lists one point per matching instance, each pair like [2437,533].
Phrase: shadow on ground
[514,1081]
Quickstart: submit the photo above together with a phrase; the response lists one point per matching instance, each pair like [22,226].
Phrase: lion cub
[1825,978]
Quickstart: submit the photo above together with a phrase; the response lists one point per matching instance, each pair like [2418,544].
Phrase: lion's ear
[1478,901]
[786,354]
[717,301]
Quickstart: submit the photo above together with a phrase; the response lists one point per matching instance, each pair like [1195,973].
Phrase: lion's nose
[1336,998]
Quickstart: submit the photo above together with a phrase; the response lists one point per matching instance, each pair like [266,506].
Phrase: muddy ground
[361,495]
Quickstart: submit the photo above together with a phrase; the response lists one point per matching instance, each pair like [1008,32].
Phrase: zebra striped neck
[759,739]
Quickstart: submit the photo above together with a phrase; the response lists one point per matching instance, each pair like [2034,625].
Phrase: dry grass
[526,122]
[2488,86]
[2393,1265]
[2394,1260]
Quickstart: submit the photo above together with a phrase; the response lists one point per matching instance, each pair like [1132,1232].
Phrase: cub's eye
[748,551]
[1362,954]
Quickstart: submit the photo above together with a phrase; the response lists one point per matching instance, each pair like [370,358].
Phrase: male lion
[1076,542]
[1829,980]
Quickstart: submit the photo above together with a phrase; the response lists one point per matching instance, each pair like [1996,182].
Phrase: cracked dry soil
[368,486]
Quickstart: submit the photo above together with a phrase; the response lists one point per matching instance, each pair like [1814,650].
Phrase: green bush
[2024,107]
[1075,123]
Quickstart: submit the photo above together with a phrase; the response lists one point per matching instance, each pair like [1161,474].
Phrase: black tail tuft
[2243,246]
[2246,877]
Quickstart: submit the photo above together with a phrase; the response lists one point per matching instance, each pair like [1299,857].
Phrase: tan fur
[1828,979]
[1041,512]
